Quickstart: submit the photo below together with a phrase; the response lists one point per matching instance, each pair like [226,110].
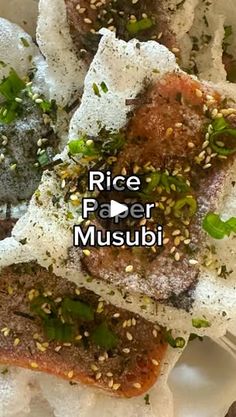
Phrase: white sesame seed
[199,93]
[193,262]
[129,336]
[116,386]
[154,332]
[126,350]
[86,252]
[155,362]
[129,268]
[177,256]
[207,166]
[116,315]
[137,385]
[98,376]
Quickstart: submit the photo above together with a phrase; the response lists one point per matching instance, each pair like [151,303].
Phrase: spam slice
[48,324]
[181,143]
[140,19]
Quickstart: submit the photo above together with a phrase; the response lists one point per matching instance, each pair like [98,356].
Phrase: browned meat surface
[168,135]
[39,331]
[141,19]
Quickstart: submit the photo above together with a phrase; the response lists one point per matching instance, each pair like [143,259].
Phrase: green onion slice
[200,323]
[221,127]
[104,337]
[177,342]
[77,309]
[185,207]
[218,228]
[137,26]
[56,330]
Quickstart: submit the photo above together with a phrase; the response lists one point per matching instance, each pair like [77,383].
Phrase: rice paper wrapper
[63,72]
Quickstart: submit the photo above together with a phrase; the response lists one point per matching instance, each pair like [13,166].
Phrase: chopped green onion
[104,337]
[56,330]
[11,86]
[217,228]
[96,90]
[179,342]
[25,42]
[137,26]
[77,309]
[44,159]
[104,87]
[147,399]
[80,146]
[200,323]
[221,127]
[180,206]
[194,336]
[112,142]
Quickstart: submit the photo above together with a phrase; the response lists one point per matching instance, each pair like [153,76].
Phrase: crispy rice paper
[64,72]
[123,67]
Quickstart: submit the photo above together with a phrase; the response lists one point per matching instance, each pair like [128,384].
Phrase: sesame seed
[79,337]
[18,100]
[101,358]
[187,241]
[82,10]
[129,268]
[34,365]
[207,166]
[135,1]
[191,145]
[94,367]
[178,125]
[169,131]
[57,348]
[40,347]
[89,142]
[86,252]
[129,336]
[155,362]
[176,232]
[126,350]
[137,385]
[38,101]
[116,386]
[16,342]
[70,374]
[205,144]
[86,334]
[175,50]
[154,332]
[173,249]
[134,322]
[109,374]
[193,262]
[110,383]
[98,376]
[177,256]
[116,315]
[198,93]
